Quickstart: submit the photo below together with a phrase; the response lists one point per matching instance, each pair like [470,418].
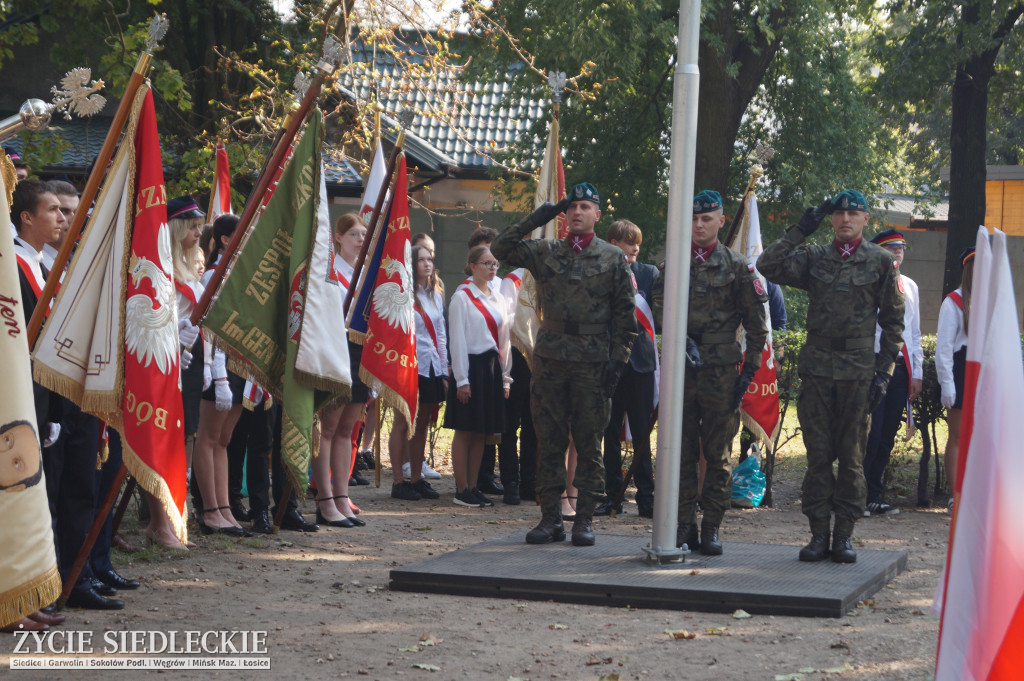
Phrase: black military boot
[582,531]
[709,544]
[842,550]
[817,549]
[549,529]
[687,534]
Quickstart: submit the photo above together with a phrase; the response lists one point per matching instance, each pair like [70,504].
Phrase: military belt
[713,338]
[574,328]
[840,343]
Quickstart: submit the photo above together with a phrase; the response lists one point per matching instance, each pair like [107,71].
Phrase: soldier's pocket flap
[722,277]
[865,276]
[595,268]
[556,265]
[824,271]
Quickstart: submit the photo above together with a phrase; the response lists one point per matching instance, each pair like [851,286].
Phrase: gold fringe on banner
[24,600]
[389,397]
[154,483]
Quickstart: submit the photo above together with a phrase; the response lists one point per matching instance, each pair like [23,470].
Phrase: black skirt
[192,388]
[431,389]
[235,382]
[485,411]
[360,391]
[959,370]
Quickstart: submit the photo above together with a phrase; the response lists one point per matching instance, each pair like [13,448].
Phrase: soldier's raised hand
[548,211]
[812,217]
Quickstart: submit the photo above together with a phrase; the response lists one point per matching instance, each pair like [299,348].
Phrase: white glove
[54,434]
[207,376]
[223,393]
[186,359]
[948,396]
[187,333]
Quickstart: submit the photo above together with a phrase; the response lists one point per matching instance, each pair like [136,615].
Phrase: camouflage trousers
[564,397]
[707,421]
[835,426]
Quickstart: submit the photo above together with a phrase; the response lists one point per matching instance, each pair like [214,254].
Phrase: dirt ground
[324,600]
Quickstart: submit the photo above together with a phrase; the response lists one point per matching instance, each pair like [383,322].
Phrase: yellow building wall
[1004,206]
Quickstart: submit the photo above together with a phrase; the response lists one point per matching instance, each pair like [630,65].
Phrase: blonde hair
[184,261]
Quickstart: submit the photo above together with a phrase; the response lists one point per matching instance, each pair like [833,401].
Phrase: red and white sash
[492,325]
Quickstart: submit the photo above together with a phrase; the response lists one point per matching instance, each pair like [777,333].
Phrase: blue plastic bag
[748,484]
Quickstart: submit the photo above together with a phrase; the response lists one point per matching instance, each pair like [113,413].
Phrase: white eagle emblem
[151,324]
[393,301]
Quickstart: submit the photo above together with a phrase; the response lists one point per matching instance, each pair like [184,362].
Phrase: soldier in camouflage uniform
[850,283]
[724,293]
[586,303]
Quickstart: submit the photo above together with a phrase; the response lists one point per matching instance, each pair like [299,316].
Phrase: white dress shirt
[49,256]
[427,356]
[470,334]
[911,327]
[950,336]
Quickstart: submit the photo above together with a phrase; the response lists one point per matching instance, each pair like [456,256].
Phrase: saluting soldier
[851,284]
[724,293]
[585,298]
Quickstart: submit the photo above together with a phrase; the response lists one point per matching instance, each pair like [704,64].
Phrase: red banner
[153,429]
[389,350]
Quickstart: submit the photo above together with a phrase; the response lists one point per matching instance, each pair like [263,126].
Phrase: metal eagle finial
[157,30]
[301,84]
[78,93]
[406,117]
[333,52]
[556,80]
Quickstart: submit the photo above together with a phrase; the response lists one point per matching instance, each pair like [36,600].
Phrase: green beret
[584,191]
[707,201]
[849,199]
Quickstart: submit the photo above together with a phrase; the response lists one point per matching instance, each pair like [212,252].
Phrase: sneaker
[406,491]
[949,506]
[467,498]
[407,469]
[880,508]
[484,501]
[425,490]
[429,473]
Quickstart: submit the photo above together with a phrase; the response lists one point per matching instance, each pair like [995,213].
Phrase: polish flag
[981,638]
[220,198]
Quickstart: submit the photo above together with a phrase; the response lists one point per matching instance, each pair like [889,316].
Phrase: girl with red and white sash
[432,364]
[951,361]
[480,324]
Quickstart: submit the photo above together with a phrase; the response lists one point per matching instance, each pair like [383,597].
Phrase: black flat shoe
[293,520]
[111,578]
[344,522]
[357,479]
[261,522]
[88,599]
[233,531]
[103,589]
[356,521]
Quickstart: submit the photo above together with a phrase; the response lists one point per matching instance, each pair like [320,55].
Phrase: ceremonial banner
[259,315]
[358,317]
[29,579]
[981,638]
[389,349]
[220,196]
[759,411]
[110,343]
[550,188]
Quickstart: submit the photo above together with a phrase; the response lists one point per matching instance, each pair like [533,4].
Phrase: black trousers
[885,423]
[99,558]
[518,464]
[634,400]
[252,441]
[69,465]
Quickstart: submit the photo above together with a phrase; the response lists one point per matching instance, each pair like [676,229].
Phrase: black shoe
[645,511]
[608,507]
[687,534]
[344,522]
[366,458]
[816,549]
[293,520]
[261,522]
[528,491]
[357,479]
[489,486]
[240,512]
[111,578]
[425,490]
[102,589]
[484,501]
[88,599]
[511,497]
[709,543]
[549,529]
[404,490]
[842,550]
[582,531]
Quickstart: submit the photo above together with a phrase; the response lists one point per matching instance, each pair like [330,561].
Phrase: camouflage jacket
[845,300]
[590,289]
[724,293]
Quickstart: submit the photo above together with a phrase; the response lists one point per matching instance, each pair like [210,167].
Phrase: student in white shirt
[432,365]
[480,323]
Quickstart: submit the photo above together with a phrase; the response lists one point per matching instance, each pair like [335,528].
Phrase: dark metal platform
[759,578]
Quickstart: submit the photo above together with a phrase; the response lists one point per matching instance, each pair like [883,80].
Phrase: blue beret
[707,201]
[584,191]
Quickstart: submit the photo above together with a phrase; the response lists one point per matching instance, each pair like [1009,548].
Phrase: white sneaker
[406,469]
[428,473]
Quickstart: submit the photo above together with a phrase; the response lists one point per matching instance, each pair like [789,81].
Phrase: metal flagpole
[677,294]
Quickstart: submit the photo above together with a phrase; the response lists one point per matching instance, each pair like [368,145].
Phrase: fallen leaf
[409,649]
[680,633]
[519,605]
[840,645]
[741,615]
[807,670]
[425,528]
[694,572]
[428,667]
[558,626]
[492,522]
[594,659]
[846,666]
[718,631]
[789,677]
[608,677]
[429,640]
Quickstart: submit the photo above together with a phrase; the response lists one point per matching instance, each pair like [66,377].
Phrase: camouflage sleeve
[511,246]
[623,313]
[890,319]
[752,297]
[783,263]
